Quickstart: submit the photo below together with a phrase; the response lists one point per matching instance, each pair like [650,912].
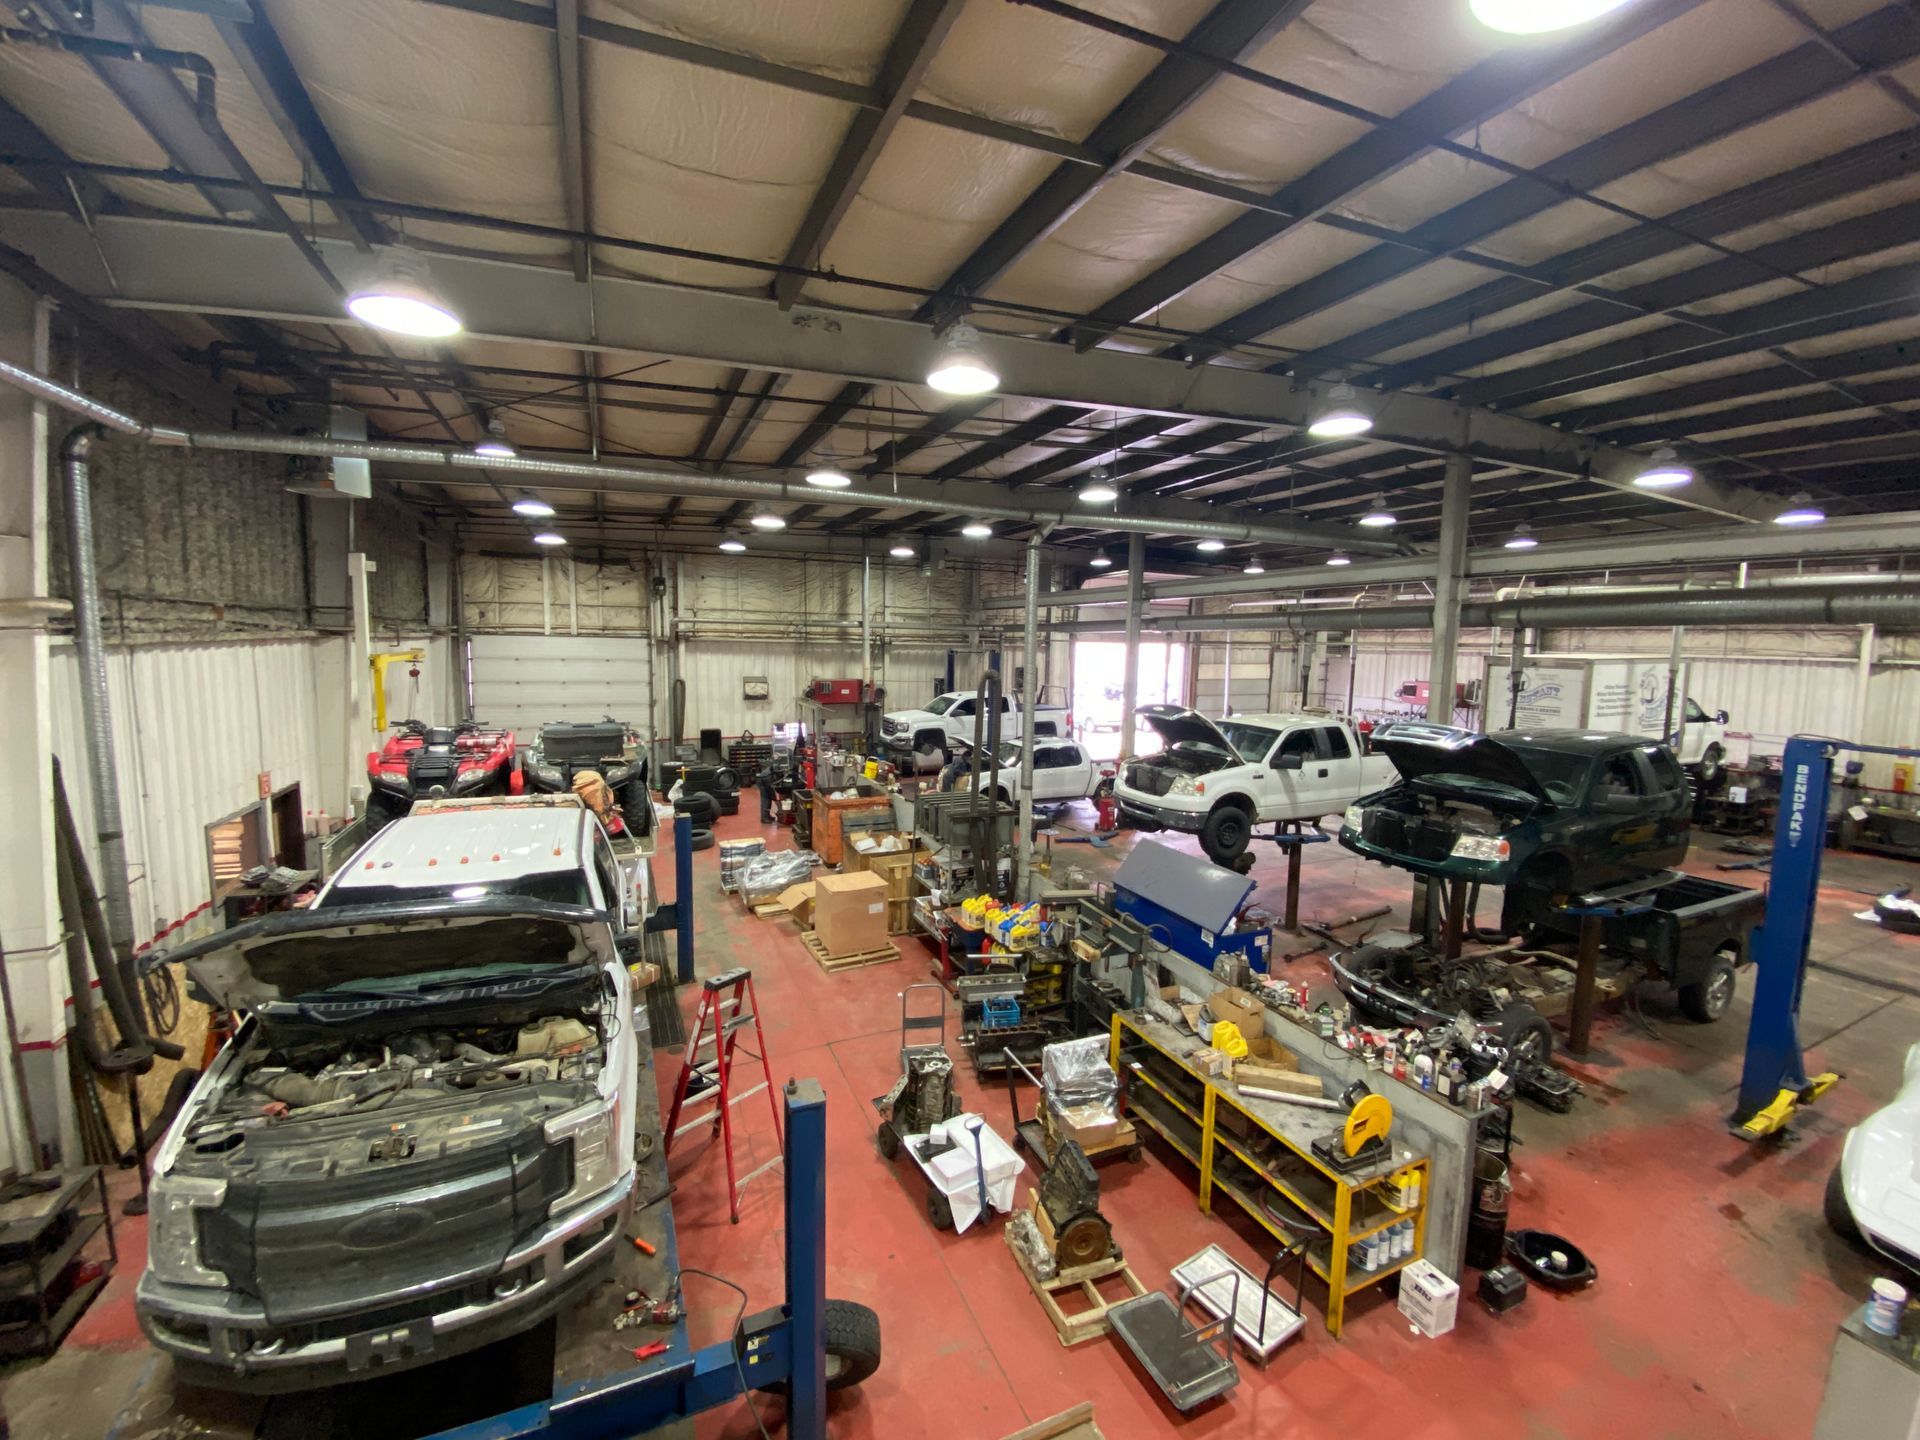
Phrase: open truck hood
[1420,751]
[1176,723]
[297,952]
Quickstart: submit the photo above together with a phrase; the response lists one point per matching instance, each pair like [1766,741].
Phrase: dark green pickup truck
[1544,813]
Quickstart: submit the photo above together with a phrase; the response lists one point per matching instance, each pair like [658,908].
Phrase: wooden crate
[1085,1282]
[899,917]
[829,816]
[833,964]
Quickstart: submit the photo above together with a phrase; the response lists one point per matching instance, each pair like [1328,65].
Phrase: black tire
[1526,1033]
[637,811]
[939,1210]
[1839,1214]
[1529,899]
[888,1139]
[1225,834]
[724,778]
[1103,789]
[382,810]
[730,803]
[698,806]
[1707,999]
[853,1346]
[1711,770]
[700,839]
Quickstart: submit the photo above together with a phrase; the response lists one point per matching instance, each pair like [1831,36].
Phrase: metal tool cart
[1260,1154]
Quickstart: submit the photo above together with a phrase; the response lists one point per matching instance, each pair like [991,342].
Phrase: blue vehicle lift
[1774,1080]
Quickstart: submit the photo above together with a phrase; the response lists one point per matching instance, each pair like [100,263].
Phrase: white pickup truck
[1218,779]
[1062,771]
[925,736]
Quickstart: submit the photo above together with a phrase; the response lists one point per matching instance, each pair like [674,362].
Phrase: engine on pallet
[1065,1229]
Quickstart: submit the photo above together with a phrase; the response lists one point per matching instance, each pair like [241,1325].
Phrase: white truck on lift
[1218,779]
[925,737]
[1062,771]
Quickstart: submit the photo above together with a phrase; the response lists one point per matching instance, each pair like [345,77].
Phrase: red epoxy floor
[1720,1284]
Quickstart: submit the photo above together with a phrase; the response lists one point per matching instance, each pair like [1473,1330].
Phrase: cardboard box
[644,974]
[850,913]
[1209,1061]
[1269,1065]
[1087,1125]
[797,901]
[1428,1298]
[1236,1005]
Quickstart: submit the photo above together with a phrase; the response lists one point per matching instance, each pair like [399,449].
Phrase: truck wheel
[1103,789]
[1711,770]
[1707,999]
[1839,1216]
[1225,834]
[1530,895]
[930,758]
[1526,1033]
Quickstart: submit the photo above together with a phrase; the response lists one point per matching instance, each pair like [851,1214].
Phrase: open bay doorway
[1099,675]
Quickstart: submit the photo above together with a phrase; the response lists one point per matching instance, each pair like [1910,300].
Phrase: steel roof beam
[1890,157]
[1495,85]
[1168,89]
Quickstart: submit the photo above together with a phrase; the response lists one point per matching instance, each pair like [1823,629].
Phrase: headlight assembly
[173,1234]
[1481,847]
[596,1162]
[1187,785]
[1352,817]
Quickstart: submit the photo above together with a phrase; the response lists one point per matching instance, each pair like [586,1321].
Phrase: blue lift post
[785,1344]
[677,914]
[1774,1080]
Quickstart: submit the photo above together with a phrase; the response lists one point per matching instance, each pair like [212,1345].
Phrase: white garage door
[522,682]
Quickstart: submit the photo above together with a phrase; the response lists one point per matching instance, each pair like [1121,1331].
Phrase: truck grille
[1148,778]
[890,727]
[1411,835]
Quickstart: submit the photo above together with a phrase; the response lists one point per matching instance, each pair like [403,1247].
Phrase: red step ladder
[727,1007]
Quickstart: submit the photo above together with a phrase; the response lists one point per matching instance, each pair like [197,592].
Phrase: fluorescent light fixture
[496,446]
[1098,490]
[976,530]
[901,552]
[1338,557]
[1379,517]
[1800,511]
[733,544]
[1341,418]
[399,297]
[533,507]
[768,520]
[1538,17]
[829,477]
[962,367]
[549,537]
[1210,546]
[1522,537]
[1102,561]
[1253,567]
[1664,471]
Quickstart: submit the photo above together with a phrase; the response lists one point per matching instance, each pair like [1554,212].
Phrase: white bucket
[1886,1303]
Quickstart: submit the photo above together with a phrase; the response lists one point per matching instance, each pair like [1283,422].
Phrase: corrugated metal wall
[194,726]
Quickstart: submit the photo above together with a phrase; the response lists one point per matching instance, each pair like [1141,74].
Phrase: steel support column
[1449,586]
[1029,694]
[1136,598]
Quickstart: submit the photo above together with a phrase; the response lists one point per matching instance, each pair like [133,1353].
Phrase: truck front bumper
[1159,817]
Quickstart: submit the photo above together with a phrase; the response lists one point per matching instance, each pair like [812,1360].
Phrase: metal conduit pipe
[1897,606]
[668,482]
[95,706]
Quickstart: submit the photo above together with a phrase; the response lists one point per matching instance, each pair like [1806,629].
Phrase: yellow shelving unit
[1258,1153]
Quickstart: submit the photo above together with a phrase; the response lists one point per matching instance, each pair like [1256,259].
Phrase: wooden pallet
[770,910]
[833,964]
[1086,1280]
[1074,1424]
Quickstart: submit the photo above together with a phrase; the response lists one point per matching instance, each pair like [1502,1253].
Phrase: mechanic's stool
[727,1007]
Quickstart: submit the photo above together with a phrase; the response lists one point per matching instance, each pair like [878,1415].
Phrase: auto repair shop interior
[984,719]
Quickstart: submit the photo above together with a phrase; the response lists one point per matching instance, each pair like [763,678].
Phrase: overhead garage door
[524,681]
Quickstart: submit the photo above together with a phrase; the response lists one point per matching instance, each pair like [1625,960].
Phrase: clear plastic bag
[765,876]
[1076,1072]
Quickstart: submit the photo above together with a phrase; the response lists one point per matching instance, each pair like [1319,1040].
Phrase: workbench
[1258,1153]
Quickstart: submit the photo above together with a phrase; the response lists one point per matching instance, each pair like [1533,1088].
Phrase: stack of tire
[699,807]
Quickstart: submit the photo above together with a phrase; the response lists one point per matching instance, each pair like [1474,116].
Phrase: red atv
[424,760]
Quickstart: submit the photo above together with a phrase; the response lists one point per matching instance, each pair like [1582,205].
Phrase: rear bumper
[223,1339]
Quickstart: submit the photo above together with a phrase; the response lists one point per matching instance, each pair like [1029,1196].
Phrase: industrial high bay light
[1341,418]
[961,367]
[1539,17]
[1664,471]
[398,296]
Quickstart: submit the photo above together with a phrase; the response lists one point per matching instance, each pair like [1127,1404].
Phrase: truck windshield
[1252,741]
[941,705]
[559,887]
[1560,774]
